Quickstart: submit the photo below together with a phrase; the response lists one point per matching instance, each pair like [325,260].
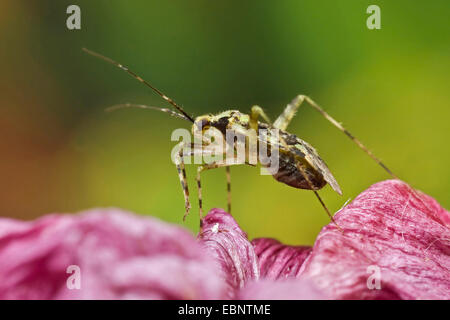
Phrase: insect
[300,166]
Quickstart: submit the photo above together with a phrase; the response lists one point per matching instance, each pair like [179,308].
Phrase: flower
[395,244]
[392,228]
[120,255]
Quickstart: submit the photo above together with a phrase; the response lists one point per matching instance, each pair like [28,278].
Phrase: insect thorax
[293,152]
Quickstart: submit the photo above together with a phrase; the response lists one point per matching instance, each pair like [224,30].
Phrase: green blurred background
[60,152]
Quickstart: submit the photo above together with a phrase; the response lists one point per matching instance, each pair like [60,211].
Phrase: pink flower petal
[278,261]
[234,254]
[287,289]
[119,255]
[392,233]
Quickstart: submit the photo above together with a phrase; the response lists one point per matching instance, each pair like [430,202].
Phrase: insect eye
[223,121]
[202,124]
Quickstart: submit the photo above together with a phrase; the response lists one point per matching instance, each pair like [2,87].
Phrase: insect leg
[255,113]
[188,150]
[228,189]
[179,162]
[288,113]
[214,165]
[200,169]
[300,168]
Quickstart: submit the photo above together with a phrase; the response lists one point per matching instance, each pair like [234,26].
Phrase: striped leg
[214,165]
[187,150]
[300,168]
[285,118]
[200,169]
[179,162]
[228,189]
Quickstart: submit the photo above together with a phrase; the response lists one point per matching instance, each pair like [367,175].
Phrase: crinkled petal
[278,261]
[120,255]
[286,289]
[228,244]
[395,245]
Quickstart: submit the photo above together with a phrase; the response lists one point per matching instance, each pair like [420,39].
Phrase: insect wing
[313,157]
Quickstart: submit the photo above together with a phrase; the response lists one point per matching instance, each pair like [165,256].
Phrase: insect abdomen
[289,173]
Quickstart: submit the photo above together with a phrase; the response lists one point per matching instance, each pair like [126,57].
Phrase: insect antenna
[141,106]
[134,75]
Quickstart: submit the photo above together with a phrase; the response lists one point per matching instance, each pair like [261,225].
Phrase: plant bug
[300,166]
